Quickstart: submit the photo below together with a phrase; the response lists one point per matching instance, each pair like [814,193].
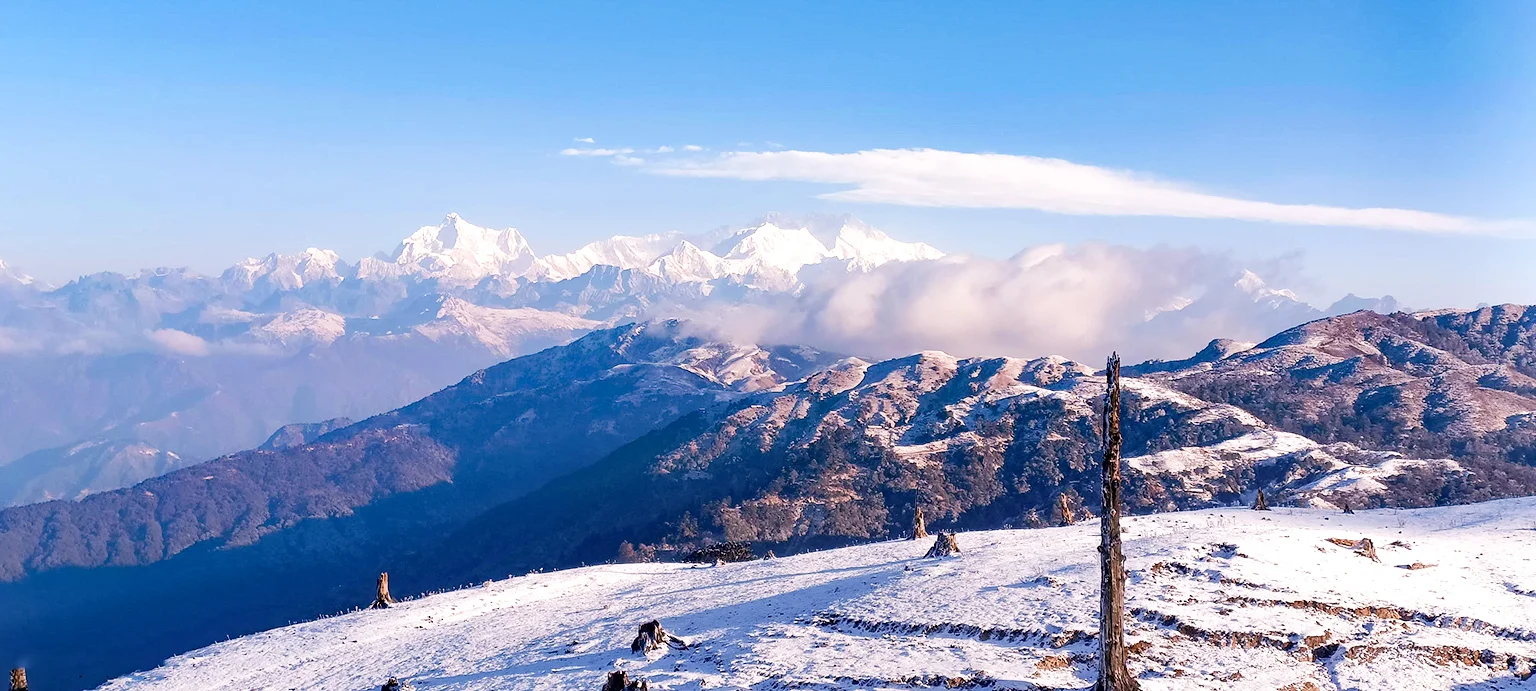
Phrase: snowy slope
[1221,599]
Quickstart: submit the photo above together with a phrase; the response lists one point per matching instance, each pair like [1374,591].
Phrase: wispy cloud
[937,178]
[599,153]
[585,140]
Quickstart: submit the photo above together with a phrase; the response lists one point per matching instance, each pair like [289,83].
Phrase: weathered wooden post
[1260,504]
[382,600]
[1065,507]
[18,679]
[919,526]
[1113,673]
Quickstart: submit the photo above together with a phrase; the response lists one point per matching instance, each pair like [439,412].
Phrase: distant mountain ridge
[186,367]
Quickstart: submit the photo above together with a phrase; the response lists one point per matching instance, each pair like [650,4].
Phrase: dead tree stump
[382,600]
[944,545]
[1064,507]
[653,637]
[1259,504]
[919,526]
[18,679]
[1348,508]
[1113,673]
[1367,549]
[620,681]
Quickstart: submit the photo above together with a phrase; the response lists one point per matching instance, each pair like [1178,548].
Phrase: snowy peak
[11,277]
[455,251]
[1253,286]
[686,263]
[286,271]
[786,245]
[770,247]
[623,251]
[865,248]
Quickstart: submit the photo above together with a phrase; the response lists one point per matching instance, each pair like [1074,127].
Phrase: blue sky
[197,134]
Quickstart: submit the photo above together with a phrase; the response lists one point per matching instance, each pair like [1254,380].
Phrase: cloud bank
[1077,301]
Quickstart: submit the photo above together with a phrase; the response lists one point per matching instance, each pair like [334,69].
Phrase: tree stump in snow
[919,526]
[1348,508]
[653,637]
[18,679]
[394,684]
[620,681]
[1113,673]
[944,545]
[1367,549]
[382,600]
[1259,504]
[1064,507]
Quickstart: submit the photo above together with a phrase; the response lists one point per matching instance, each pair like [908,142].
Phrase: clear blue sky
[153,133]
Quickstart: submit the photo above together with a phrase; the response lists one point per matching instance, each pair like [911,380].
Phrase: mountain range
[114,378]
[653,439]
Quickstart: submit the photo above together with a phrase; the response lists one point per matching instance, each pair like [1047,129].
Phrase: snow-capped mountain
[774,248]
[281,272]
[1218,599]
[504,332]
[622,251]
[11,277]
[454,251]
[455,296]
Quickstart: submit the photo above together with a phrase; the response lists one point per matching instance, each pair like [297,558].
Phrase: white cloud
[1078,301]
[585,140]
[596,152]
[931,177]
[179,342]
[692,147]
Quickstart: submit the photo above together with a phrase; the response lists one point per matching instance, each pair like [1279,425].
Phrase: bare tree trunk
[18,679]
[1113,674]
[919,527]
[1065,507]
[1260,504]
[382,600]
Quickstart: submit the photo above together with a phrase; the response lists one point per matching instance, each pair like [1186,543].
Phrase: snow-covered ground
[1221,599]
